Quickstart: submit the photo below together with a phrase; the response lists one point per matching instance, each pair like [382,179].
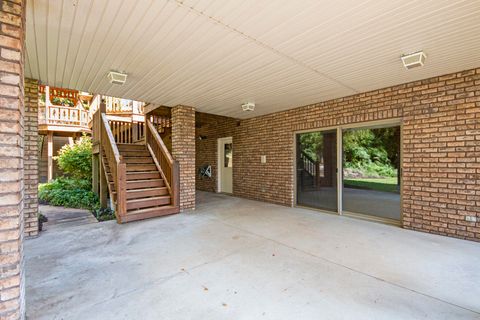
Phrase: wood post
[134,131]
[47,102]
[122,189]
[96,174]
[103,185]
[50,156]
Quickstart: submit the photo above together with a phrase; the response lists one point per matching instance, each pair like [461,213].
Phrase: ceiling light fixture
[413,60]
[117,78]
[248,106]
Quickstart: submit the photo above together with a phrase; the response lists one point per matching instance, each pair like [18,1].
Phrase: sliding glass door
[317,169]
[371,180]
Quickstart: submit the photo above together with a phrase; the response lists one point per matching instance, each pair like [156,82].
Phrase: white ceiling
[216,54]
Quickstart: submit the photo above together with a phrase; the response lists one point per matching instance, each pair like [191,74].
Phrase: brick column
[183,150]
[12,37]
[30,158]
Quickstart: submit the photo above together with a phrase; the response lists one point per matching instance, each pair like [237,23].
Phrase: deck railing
[55,115]
[122,106]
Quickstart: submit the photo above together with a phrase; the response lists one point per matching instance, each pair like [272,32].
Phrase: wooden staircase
[142,178]
[147,194]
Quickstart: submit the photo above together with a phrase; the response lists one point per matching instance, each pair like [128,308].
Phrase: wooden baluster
[122,132]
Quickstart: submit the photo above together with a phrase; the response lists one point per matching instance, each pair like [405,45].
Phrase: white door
[225,165]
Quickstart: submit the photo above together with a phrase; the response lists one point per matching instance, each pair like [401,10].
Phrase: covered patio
[241,259]
[235,108]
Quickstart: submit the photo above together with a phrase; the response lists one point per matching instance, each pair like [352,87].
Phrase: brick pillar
[12,35]
[183,150]
[30,158]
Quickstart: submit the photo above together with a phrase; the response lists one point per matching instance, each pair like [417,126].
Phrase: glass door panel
[371,181]
[317,169]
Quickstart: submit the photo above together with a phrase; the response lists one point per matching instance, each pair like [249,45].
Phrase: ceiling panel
[216,54]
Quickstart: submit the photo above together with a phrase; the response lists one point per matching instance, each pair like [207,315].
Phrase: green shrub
[62,102]
[69,192]
[76,160]
[104,214]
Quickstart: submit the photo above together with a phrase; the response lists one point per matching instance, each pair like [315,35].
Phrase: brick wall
[441,148]
[11,163]
[30,161]
[210,127]
[183,150]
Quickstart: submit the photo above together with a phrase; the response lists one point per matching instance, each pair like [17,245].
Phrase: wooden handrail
[94,106]
[159,140]
[168,167]
[309,165]
[111,139]
[103,136]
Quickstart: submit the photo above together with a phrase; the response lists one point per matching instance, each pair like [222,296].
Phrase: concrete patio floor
[61,217]
[238,259]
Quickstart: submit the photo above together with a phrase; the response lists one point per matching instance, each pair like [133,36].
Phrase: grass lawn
[379,184]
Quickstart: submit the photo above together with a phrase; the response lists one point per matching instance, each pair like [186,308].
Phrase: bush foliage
[74,190]
[69,192]
[373,151]
[76,160]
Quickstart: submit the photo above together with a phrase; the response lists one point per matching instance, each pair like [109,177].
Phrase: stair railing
[126,130]
[168,167]
[118,167]
[94,106]
[103,137]
[309,165]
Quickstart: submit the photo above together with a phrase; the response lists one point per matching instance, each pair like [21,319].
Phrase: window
[228,150]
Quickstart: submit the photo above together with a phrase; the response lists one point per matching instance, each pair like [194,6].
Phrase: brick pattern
[208,128]
[30,159]
[441,160]
[183,150]
[441,149]
[11,163]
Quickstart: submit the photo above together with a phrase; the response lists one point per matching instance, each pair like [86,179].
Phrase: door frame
[367,124]
[220,143]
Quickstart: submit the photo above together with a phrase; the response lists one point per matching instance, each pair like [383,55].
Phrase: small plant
[62,102]
[104,214]
[41,219]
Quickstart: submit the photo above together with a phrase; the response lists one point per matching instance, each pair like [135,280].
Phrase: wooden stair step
[130,160]
[144,193]
[147,213]
[135,153]
[148,183]
[130,147]
[147,202]
[147,192]
[139,175]
[141,167]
